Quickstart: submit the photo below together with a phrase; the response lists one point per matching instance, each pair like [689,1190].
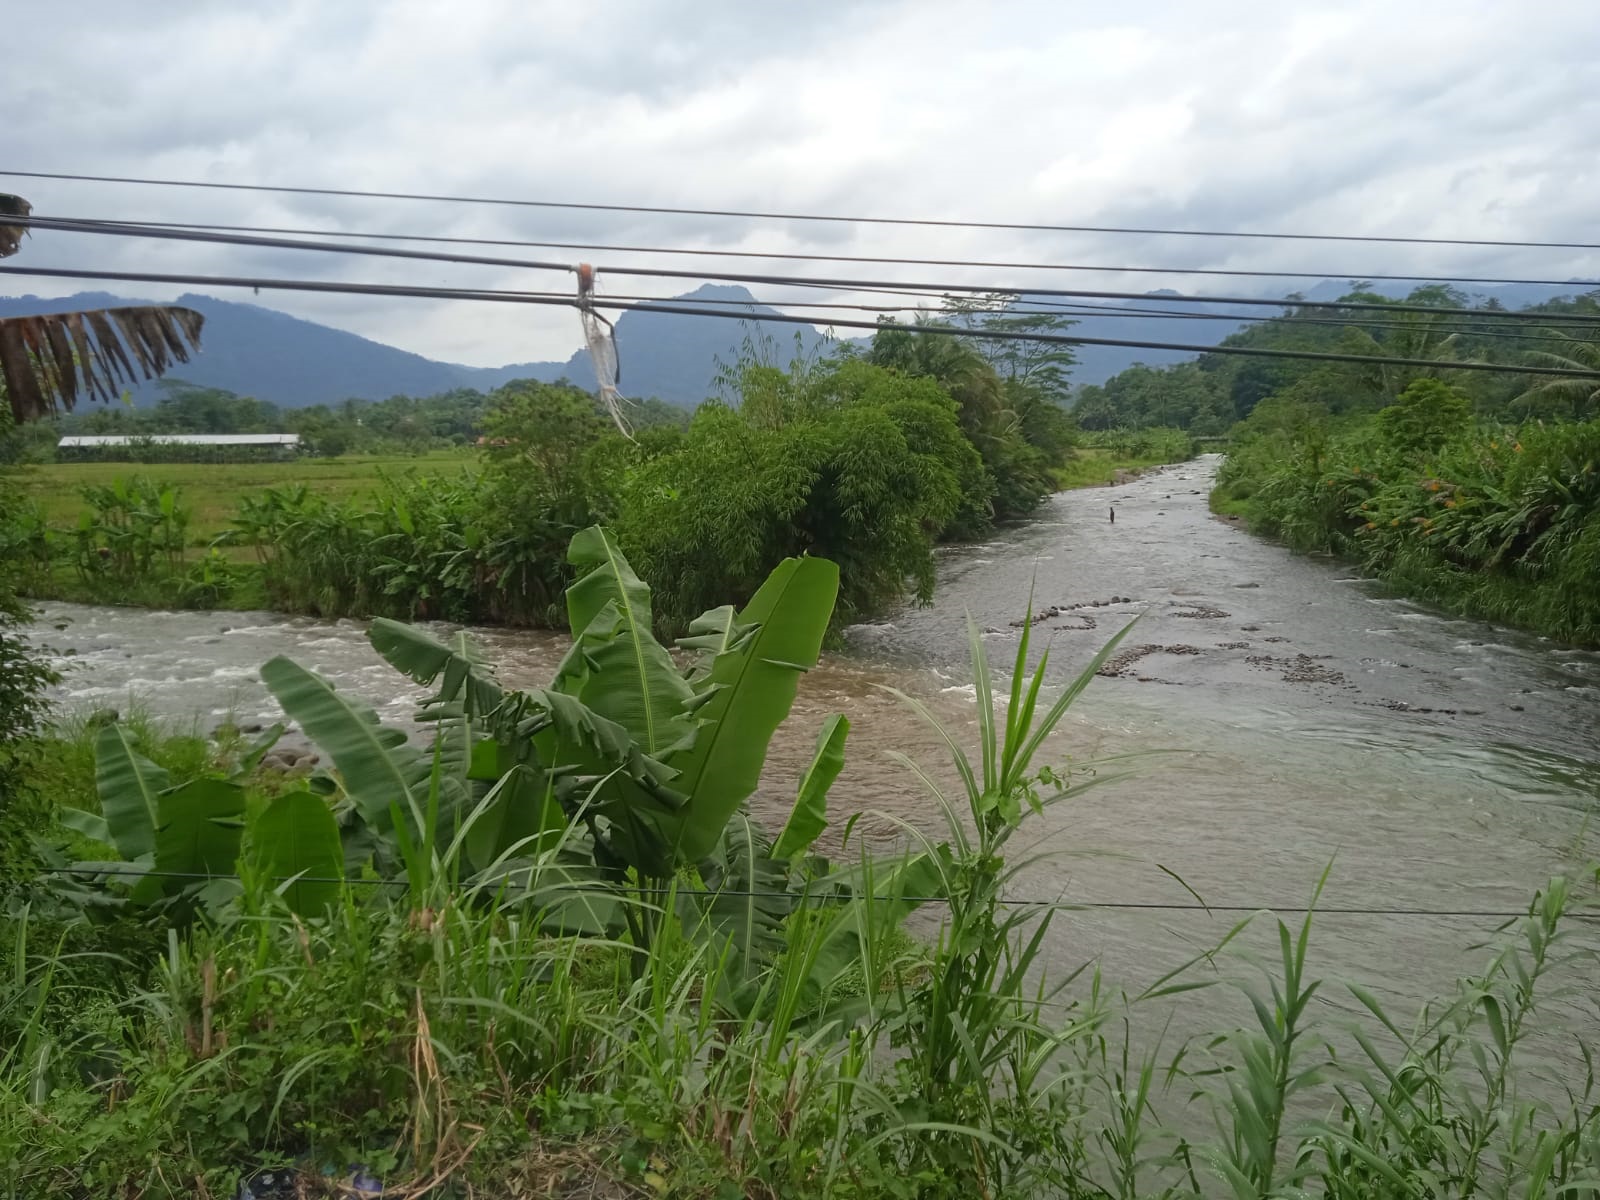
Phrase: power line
[1076,311]
[754,215]
[374,289]
[794,256]
[120,229]
[1073,311]
[115,870]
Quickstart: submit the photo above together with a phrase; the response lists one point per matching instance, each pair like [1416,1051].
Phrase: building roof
[181,439]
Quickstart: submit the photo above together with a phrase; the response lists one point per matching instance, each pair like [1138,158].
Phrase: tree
[1571,354]
[1424,416]
[1044,365]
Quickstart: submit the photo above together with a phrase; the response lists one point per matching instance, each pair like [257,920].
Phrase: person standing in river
[1113,516]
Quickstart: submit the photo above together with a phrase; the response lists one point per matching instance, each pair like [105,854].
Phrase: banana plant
[654,760]
[631,770]
[180,845]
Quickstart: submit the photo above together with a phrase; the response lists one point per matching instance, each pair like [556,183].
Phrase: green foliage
[1496,522]
[1423,417]
[996,412]
[847,461]
[127,529]
[1182,397]
[25,677]
[776,1033]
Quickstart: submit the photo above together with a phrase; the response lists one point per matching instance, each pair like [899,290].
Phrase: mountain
[261,352]
[294,363]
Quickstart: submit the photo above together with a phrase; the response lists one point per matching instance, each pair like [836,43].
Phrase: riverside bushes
[1498,521]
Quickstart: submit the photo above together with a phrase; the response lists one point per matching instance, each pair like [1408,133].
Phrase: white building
[188,447]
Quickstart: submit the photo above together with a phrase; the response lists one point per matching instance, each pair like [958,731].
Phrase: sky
[1470,119]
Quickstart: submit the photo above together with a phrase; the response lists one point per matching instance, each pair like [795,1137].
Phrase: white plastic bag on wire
[601,338]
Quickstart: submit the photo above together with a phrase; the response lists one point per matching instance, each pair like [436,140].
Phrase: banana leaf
[461,673]
[809,817]
[755,683]
[128,785]
[376,765]
[296,835]
[617,667]
[201,825]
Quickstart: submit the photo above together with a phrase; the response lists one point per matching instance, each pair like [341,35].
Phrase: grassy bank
[1099,468]
[1101,458]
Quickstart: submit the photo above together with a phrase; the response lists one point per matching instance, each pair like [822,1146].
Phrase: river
[1301,717]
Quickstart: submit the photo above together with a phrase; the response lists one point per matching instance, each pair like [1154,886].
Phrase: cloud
[1457,120]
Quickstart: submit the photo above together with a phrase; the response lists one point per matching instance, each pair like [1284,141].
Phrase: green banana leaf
[461,673]
[297,835]
[711,634]
[617,667]
[520,811]
[755,683]
[748,895]
[202,822]
[809,817]
[376,764]
[128,785]
[91,825]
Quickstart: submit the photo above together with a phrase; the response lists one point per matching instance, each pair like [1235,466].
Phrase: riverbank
[1487,522]
[1102,468]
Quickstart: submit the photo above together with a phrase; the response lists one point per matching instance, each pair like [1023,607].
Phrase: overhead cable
[756,215]
[121,229]
[131,871]
[795,256]
[666,308]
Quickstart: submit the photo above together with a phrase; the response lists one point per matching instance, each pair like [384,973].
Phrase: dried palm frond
[50,361]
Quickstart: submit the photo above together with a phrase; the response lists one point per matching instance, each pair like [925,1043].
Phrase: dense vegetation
[551,954]
[869,458]
[24,677]
[1474,491]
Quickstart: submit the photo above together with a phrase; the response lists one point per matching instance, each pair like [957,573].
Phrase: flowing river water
[1284,715]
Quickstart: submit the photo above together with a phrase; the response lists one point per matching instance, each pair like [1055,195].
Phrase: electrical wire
[795,256]
[755,215]
[119,229]
[1077,311]
[133,872]
[670,309]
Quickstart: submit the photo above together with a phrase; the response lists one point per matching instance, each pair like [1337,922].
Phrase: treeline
[1209,396]
[869,458]
[1476,491]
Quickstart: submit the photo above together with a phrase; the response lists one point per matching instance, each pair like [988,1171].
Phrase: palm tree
[1575,355]
[47,362]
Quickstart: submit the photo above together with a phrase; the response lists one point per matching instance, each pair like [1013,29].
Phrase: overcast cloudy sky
[1474,118]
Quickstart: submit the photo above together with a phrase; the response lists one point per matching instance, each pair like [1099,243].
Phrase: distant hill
[270,355]
[294,363]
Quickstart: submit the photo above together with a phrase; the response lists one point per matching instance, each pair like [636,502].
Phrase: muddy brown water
[1286,714]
